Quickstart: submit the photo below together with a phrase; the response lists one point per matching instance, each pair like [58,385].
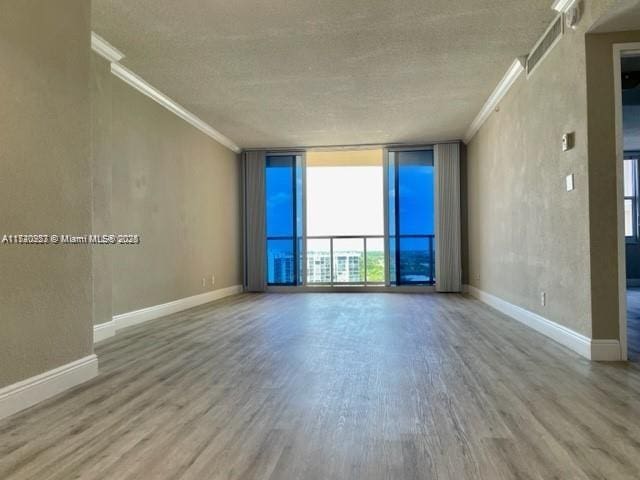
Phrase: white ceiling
[339,72]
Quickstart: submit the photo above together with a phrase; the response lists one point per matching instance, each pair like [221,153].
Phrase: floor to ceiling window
[333,232]
[411,217]
[345,217]
[284,219]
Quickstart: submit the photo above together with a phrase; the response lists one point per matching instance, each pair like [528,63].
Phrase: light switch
[570,185]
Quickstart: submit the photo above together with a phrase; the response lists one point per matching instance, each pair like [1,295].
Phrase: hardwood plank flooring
[334,386]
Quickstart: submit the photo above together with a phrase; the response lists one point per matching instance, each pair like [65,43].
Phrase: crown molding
[514,71]
[105,49]
[113,55]
[562,5]
[145,88]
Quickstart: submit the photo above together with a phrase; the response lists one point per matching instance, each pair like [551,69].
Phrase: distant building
[318,267]
[347,267]
[283,269]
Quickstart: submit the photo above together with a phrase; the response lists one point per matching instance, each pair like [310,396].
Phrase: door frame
[620,50]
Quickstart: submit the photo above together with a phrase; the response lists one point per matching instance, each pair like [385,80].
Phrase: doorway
[627,82]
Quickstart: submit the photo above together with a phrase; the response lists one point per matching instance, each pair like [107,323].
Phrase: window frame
[300,237]
[635,156]
[297,157]
[397,234]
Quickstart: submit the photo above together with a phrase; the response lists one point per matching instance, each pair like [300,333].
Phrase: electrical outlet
[543,298]
[204,282]
[213,279]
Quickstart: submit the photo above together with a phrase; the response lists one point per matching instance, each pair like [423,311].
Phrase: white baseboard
[106,330]
[606,350]
[27,393]
[599,350]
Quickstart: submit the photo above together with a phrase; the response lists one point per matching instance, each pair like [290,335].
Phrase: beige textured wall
[45,185]
[178,189]
[602,180]
[527,234]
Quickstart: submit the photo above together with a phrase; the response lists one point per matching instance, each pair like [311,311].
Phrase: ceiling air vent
[545,44]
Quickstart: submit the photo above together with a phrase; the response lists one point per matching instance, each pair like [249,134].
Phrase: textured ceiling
[623,15]
[338,72]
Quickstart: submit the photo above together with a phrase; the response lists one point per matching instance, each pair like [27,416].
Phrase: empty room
[350,240]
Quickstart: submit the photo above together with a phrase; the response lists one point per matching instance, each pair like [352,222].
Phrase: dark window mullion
[431,259]
[294,220]
[634,201]
[396,162]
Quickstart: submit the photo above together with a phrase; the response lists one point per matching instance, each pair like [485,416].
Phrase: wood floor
[334,386]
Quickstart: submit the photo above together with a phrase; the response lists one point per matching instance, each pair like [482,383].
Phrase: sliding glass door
[284,219]
[325,218]
[411,217]
[345,217]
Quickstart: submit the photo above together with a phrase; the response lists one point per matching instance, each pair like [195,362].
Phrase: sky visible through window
[279,183]
[280,219]
[344,200]
[345,195]
[416,200]
[411,217]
